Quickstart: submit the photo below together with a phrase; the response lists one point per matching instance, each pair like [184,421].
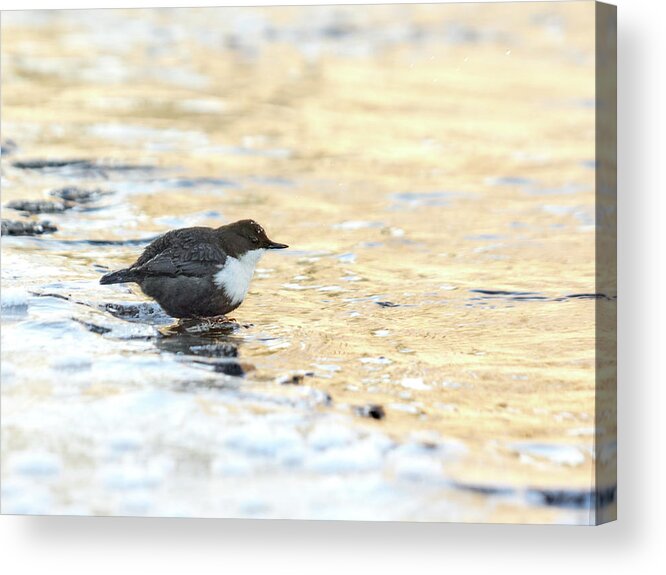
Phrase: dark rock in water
[230,368]
[504,292]
[45,164]
[215,350]
[37,206]
[8,147]
[129,312]
[387,304]
[78,195]
[496,490]
[70,196]
[13,228]
[295,379]
[337,30]
[78,167]
[91,327]
[587,296]
[128,242]
[573,499]
[374,411]
[51,294]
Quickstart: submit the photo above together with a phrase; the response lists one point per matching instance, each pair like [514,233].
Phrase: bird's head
[252,235]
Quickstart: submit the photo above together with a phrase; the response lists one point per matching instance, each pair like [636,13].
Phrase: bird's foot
[207,324]
[217,319]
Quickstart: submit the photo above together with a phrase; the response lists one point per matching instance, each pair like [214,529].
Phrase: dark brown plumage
[198,271]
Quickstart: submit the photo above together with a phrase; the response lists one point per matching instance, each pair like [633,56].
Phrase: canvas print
[322,262]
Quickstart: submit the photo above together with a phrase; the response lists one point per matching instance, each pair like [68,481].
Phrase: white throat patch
[235,275]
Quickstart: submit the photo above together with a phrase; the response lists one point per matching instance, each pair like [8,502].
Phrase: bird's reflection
[205,343]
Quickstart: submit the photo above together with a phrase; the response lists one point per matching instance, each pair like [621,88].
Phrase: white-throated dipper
[199,272]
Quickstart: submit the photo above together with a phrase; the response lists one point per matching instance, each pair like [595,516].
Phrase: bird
[199,272]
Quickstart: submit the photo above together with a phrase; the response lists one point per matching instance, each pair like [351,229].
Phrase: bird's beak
[275,246]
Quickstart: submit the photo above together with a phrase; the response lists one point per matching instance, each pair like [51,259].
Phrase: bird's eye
[255,240]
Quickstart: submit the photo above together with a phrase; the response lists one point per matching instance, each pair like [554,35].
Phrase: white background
[634,544]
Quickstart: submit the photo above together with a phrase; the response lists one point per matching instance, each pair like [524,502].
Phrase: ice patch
[414,383]
[137,503]
[130,476]
[363,456]
[202,105]
[347,258]
[231,465]
[263,439]
[559,454]
[376,360]
[125,441]
[14,299]
[579,431]
[35,501]
[71,362]
[35,464]
[327,435]
[357,225]
[407,408]
[332,288]
[327,366]
[509,181]
[418,468]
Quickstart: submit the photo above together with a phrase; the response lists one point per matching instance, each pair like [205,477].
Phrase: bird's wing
[181,258]
[161,244]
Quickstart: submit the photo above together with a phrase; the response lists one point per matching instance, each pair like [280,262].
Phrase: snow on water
[35,464]
[13,299]
[137,441]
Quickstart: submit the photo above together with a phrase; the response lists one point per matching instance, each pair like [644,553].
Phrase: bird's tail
[119,277]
